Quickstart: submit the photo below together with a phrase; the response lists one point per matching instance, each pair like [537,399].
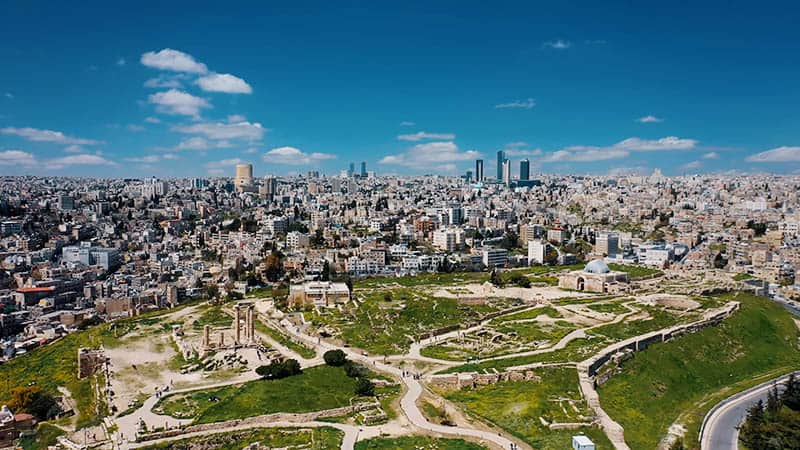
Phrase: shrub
[365,388]
[279,369]
[335,358]
[354,370]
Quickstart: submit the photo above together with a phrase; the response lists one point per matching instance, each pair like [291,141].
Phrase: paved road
[721,430]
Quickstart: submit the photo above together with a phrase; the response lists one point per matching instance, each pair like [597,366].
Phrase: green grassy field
[416,443]
[614,307]
[385,327]
[309,438]
[46,435]
[213,316]
[520,334]
[283,339]
[517,407]
[56,364]
[317,388]
[675,378]
[529,314]
[423,279]
[635,272]
[626,329]
[576,350]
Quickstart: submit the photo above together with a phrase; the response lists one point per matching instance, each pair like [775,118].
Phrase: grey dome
[597,266]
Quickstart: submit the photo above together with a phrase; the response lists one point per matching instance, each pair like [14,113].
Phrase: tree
[791,396]
[495,278]
[273,266]
[364,387]
[354,370]
[279,369]
[33,400]
[326,271]
[335,358]
[773,402]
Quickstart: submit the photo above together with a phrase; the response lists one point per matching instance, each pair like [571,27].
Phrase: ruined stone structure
[244,334]
[89,360]
[474,379]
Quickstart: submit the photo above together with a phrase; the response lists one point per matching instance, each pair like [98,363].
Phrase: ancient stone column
[206,336]
[237,327]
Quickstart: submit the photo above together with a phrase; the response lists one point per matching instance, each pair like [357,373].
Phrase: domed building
[596,276]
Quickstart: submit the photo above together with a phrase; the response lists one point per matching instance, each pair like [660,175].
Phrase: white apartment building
[448,239]
[537,250]
[296,240]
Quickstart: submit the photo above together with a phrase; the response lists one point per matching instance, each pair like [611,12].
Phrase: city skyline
[593,92]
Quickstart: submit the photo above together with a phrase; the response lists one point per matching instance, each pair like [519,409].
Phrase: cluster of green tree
[515,278]
[337,358]
[279,369]
[34,401]
[759,228]
[776,424]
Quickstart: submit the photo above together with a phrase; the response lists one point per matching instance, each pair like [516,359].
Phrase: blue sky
[191,88]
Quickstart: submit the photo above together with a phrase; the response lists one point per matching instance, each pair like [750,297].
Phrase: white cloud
[250,151]
[619,150]
[174,60]
[145,159]
[163,81]
[558,44]
[174,101]
[215,167]
[779,154]
[199,143]
[422,135]
[520,148]
[224,82]
[37,135]
[121,62]
[520,104]
[252,131]
[649,119]
[17,158]
[585,154]
[711,155]
[75,149]
[135,128]
[434,156]
[78,160]
[234,118]
[692,165]
[667,143]
[523,152]
[407,123]
[152,120]
[294,156]
[150,159]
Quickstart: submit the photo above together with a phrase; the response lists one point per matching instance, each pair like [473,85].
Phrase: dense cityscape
[306,251]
